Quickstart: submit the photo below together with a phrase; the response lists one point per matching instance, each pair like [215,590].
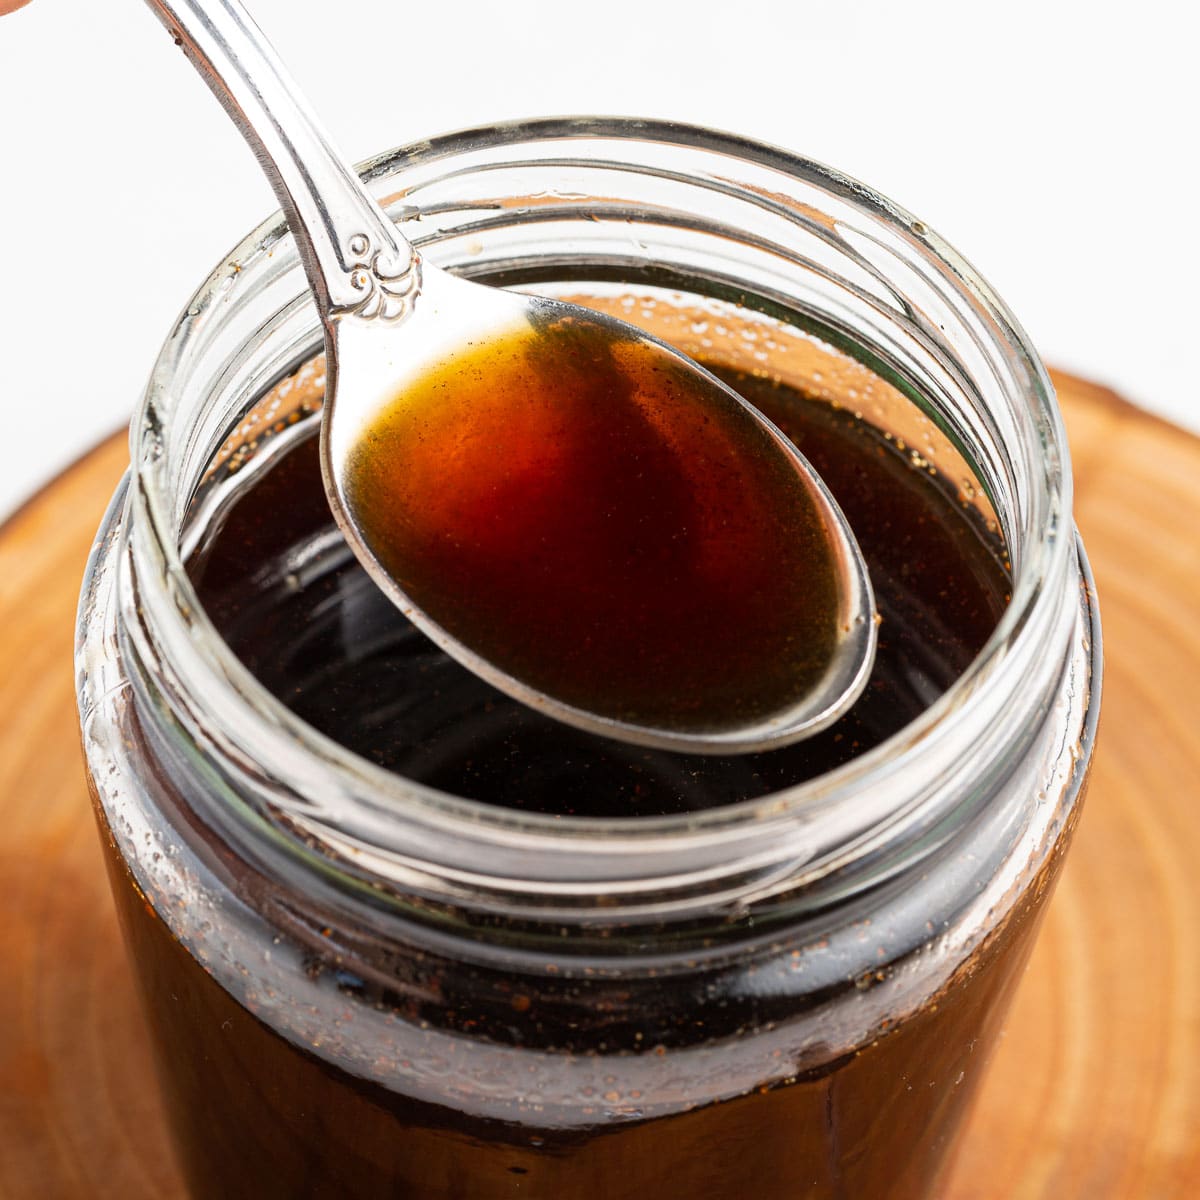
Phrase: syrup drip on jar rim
[578,513]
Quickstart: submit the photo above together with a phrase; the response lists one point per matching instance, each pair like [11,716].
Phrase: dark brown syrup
[584,512]
[258,1116]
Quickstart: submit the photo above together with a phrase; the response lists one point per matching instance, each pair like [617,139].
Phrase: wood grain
[1095,1089]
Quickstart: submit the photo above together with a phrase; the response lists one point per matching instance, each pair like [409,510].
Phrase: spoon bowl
[392,321]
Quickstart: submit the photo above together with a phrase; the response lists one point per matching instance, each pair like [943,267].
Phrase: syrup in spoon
[574,510]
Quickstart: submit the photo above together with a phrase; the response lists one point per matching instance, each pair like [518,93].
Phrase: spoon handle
[356,260]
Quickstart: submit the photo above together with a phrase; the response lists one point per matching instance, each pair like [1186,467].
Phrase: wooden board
[1095,1090]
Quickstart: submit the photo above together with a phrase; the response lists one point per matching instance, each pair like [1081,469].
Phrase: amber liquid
[580,510]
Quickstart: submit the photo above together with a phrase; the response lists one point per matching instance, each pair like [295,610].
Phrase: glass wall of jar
[783,979]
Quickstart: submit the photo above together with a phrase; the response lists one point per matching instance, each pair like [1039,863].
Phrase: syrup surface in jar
[286,593]
[577,511]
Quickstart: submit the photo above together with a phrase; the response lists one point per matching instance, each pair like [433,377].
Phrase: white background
[1053,143]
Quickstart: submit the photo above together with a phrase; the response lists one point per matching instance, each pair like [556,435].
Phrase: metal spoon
[388,316]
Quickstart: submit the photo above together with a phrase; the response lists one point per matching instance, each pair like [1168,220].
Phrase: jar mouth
[374,823]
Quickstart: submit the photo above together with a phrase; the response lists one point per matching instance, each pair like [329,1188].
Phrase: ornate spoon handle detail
[357,262]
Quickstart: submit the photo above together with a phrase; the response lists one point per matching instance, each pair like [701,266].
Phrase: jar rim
[856,803]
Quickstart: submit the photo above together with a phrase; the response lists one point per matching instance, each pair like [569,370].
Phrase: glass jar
[358,984]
